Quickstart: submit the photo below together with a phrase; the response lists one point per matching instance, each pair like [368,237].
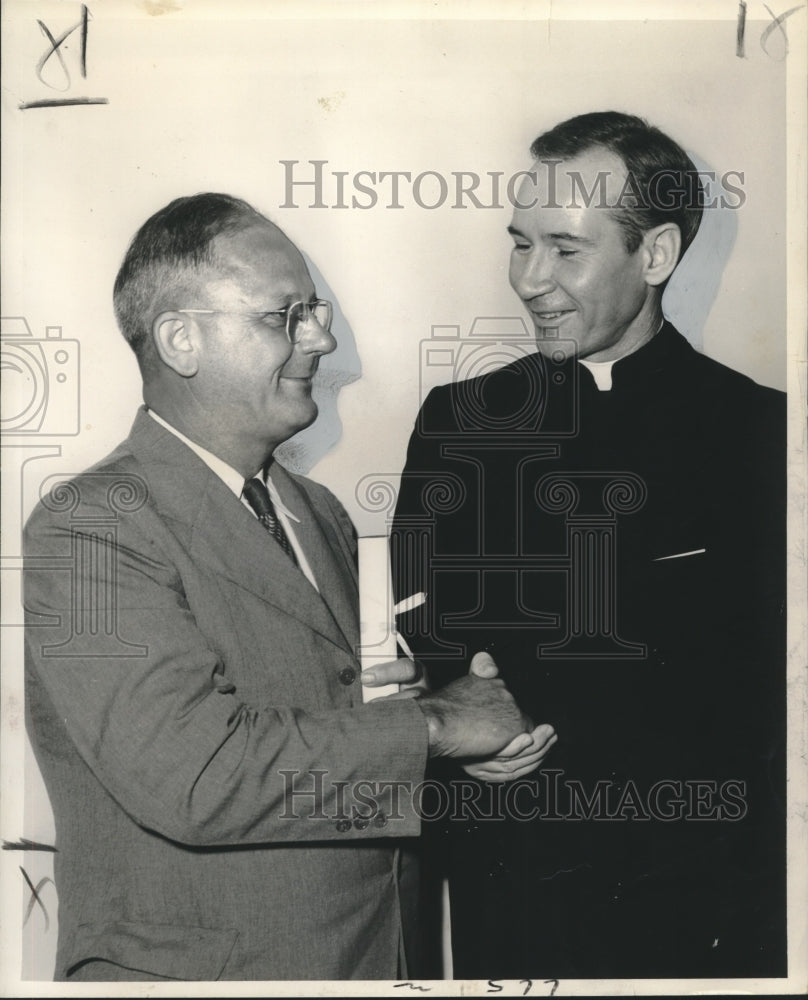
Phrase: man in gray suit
[226,805]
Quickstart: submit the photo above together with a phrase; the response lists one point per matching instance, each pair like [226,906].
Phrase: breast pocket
[682,596]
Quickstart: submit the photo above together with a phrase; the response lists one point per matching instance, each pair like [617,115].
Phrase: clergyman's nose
[534,277]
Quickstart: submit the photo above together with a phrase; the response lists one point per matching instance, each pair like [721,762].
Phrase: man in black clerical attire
[607,517]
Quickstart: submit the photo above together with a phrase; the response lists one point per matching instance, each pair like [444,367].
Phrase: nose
[531,274]
[313,337]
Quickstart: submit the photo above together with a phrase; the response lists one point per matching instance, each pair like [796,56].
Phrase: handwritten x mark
[35,897]
[55,49]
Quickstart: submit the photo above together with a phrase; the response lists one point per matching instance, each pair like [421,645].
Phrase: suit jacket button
[347,676]
[343,825]
[380,820]
[361,823]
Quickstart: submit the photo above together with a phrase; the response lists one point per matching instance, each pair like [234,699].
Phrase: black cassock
[622,555]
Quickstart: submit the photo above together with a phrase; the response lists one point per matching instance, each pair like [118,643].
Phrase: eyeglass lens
[299,314]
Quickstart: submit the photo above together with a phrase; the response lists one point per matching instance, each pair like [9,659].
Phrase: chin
[549,346]
[307,419]
[296,420]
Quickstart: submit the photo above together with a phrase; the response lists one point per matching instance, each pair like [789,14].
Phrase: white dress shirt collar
[229,476]
[235,481]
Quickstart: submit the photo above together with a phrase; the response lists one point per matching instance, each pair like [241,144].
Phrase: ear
[174,340]
[661,248]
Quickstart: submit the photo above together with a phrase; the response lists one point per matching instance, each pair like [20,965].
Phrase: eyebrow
[567,237]
[571,238]
[291,300]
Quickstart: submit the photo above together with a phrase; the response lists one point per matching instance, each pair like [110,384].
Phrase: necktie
[258,498]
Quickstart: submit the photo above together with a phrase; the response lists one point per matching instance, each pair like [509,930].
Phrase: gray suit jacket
[194,707]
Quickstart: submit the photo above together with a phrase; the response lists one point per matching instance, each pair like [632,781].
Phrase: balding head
[171,257]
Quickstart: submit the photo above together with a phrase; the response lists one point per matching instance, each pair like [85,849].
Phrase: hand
[520,757]
[483,665]
[474,716]
[523,754]
[409,674]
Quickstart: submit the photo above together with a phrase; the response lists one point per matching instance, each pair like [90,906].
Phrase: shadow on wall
[694,285]
[302,452]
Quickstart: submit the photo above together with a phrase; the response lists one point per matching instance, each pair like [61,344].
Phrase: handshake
[474,718]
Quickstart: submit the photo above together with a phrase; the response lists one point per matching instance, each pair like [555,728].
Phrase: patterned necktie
[258,498]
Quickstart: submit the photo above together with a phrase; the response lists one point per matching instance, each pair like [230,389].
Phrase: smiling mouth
[550,317]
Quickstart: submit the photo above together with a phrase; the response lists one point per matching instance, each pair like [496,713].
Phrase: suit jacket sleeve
[163,727]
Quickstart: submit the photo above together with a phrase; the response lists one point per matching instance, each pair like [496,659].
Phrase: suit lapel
[225,536]
[336,577]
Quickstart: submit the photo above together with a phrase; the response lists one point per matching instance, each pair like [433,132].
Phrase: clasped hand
[517,758]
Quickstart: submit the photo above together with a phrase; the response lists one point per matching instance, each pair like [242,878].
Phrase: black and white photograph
[403,498]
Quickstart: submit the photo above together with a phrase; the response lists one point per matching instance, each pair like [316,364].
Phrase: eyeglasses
[292,319]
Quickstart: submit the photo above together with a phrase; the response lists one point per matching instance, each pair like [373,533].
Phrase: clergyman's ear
[174,341]
[661,247]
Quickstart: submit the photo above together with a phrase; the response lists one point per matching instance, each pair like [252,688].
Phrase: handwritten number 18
[777,24]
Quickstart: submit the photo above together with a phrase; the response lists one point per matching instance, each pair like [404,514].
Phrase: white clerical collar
[228,475]
[601,372]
